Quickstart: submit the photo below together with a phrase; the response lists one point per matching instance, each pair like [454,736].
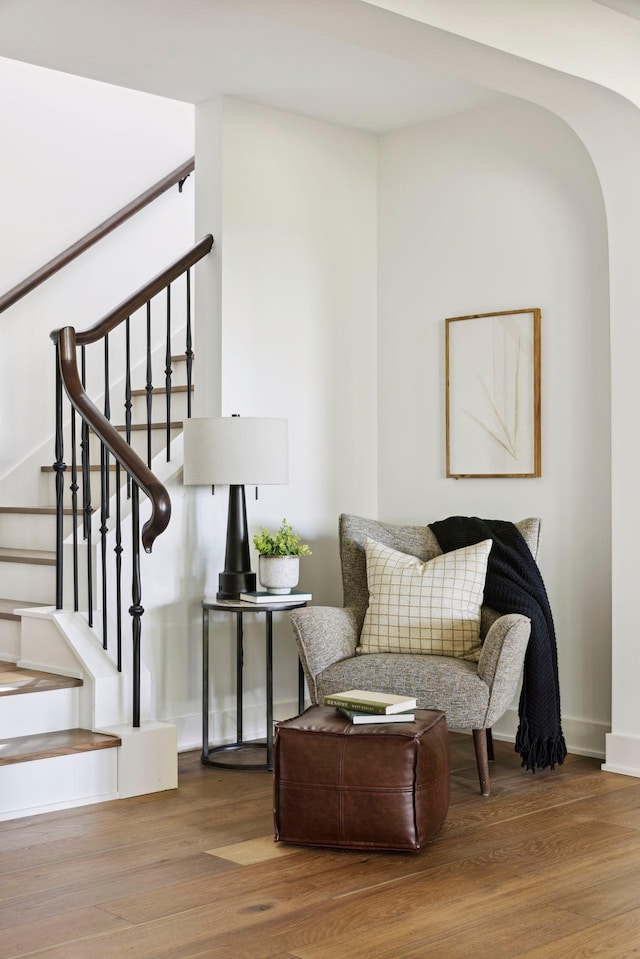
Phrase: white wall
[575,39]
[74,152]
[492,210]
[297,281]
[299,311]
[495,209]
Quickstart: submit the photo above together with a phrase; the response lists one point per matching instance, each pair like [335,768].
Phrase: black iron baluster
[104,497]
[107,413]
[136,609]
[74,508]
[103,542]
[118,552]
[149,384]
[87,509]
[59,468]
[84,442]
[189,344]
[168,372]
[128,401]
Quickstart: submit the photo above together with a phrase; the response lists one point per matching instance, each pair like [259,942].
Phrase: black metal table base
[206,760]
[239,608]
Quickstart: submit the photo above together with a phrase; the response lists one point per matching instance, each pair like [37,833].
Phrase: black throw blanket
[514,585]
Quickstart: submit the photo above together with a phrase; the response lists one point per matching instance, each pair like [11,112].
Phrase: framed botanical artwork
[493,394]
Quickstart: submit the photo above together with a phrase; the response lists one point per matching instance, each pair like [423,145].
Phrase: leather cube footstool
[377,786]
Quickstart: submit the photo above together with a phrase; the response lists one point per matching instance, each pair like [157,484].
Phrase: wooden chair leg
[482,759]
[489,744]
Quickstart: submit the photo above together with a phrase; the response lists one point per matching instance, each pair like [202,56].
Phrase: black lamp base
[232,584]
[237,576]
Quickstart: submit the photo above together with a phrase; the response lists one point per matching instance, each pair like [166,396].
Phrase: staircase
[75,715]
[77,765]
[52,723]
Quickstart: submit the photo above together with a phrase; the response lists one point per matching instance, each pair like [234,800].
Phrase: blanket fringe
[539,753]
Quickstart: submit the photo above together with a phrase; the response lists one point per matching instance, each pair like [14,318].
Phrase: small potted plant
[279,558]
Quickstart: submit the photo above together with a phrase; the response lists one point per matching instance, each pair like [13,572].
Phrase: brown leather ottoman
[378,786]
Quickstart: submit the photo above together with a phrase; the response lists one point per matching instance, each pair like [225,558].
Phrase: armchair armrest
[502,659]
[324,634]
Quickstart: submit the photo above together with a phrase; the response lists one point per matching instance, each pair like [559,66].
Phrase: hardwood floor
[548,867]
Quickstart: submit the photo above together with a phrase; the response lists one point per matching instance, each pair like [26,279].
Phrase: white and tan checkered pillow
[431,607]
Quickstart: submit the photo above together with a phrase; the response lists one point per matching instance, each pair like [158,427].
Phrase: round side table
[240,608]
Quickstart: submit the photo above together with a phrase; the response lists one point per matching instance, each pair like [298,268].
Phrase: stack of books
[362,706]
[264,596]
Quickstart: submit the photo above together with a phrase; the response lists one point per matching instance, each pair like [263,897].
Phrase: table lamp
[235,451]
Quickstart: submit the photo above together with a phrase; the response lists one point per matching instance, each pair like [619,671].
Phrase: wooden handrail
[68,340]
[136,467]
[73,251]
[146,292]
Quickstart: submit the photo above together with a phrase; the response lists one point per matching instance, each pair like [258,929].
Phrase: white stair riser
[30,530]
[118,413]
[138,443]
[47,489]
[31,580]
[158,406]
[58,783]
[31,713]
[9,640]
[47,483]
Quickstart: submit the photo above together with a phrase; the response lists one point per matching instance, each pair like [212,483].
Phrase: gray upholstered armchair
[473,695]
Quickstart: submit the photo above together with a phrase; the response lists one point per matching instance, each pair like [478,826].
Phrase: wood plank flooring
[548,867]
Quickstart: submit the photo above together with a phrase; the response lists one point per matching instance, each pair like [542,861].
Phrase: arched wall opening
[601,535]
[496,209]
[578,61]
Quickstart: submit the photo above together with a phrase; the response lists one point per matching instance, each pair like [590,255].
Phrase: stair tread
[94,468]
[63,742]
[44,557]
[174,425]
[35,510]
[15,680]
[8,608]
[157,390]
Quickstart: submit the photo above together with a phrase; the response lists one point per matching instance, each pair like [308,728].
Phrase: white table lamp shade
[235,451]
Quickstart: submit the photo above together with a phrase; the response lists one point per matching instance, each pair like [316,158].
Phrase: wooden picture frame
[493,394]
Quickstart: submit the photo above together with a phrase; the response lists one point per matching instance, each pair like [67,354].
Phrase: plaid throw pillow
[431,607]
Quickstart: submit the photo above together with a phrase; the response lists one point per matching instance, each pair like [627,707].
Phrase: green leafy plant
[283,542]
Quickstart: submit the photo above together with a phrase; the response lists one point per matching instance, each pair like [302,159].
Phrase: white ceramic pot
[279,574]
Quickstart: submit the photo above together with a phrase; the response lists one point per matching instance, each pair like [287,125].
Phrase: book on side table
[360,719]
[263,596]
[364,701]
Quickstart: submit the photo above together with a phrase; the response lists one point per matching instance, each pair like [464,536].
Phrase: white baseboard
[55,807]
[583,737]
[622,755]
[222,725]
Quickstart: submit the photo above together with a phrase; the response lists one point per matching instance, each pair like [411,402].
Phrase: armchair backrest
[415,540]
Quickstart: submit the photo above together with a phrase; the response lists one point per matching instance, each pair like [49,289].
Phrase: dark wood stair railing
[72,380]
[16,293]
